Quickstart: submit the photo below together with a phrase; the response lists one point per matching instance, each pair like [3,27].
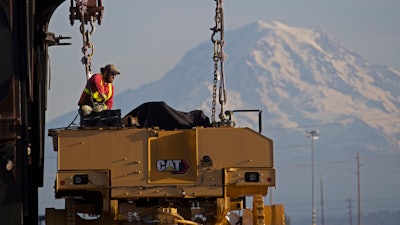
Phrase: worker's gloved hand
[98,107]
[86,110]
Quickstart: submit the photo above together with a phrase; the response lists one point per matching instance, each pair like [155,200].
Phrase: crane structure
[24,83]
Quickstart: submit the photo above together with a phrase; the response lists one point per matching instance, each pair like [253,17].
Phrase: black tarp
[159,114]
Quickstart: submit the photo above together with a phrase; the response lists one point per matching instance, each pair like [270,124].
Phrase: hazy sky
[145,38]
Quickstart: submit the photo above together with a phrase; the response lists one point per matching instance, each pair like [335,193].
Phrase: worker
[99,91]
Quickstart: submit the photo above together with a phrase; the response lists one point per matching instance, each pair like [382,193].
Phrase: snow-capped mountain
[302,79]
[297,76]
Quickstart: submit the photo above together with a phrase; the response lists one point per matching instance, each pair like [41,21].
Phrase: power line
[319,163]
[324,162]
[342,122]
[329,143]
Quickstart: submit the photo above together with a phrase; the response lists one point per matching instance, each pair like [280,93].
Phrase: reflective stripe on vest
[96,95]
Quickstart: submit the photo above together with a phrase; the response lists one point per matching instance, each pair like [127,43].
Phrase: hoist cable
[87,44]
[219,57]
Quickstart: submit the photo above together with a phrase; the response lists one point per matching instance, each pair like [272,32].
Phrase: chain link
[219,57]
[87,45]
[86,34]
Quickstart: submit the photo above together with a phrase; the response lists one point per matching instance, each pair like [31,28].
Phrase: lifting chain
[87,11]
[219,57]
[87,44]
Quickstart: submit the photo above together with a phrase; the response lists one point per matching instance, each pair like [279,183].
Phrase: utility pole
[322,202]
[358,189]
[350,213]
[313,135]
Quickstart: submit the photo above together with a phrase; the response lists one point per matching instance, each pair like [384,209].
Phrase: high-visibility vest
[96,95]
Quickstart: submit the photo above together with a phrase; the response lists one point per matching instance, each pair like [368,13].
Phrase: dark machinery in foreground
[24,42]
[23,95]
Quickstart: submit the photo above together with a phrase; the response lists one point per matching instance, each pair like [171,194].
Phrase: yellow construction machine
[132,175]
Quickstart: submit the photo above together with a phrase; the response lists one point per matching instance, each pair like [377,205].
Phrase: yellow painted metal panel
[274,215]
[235,147]
[122,150]
[173,158]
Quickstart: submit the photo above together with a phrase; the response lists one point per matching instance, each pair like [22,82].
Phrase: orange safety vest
[96,95]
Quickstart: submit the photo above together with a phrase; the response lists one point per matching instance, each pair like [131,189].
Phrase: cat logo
[174,166]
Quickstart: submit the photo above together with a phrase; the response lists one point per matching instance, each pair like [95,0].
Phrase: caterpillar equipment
[139,175]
